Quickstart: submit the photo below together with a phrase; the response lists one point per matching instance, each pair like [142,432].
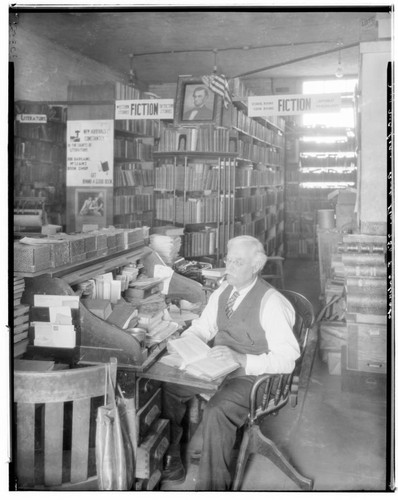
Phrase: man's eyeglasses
[234,262]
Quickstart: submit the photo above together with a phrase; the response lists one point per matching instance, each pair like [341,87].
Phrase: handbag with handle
[114,446]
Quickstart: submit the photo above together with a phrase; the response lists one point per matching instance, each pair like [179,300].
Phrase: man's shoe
[173,470]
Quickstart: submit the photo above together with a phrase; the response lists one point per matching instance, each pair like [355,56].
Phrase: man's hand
[224,352]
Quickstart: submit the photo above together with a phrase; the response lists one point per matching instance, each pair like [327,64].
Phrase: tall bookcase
[223,181]
[195,190]
[39,156]
[128,194]
[326,160]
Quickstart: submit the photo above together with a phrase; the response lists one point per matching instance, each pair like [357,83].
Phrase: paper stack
[51,318]
[166,246]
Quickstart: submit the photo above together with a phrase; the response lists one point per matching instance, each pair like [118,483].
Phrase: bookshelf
[195,190]
[223,181]
[128,192]
[39,155]
[325,160]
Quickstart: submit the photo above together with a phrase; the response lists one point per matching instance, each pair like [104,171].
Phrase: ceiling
[186,40]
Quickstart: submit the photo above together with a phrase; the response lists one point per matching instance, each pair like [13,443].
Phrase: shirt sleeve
[277,317]
[205,327]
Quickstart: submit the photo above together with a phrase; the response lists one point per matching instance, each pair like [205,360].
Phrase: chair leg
[244,452]
[268,449]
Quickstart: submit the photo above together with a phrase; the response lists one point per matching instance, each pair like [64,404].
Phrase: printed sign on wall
[89,153]
[145,109]
[293,104]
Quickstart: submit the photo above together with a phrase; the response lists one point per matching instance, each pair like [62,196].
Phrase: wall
[373,137]
[43,69]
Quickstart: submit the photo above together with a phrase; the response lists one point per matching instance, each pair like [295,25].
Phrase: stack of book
[124,315]
[19,287]
[53,319]
[21,328]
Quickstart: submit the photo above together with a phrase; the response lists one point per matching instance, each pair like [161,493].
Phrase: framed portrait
[196,104]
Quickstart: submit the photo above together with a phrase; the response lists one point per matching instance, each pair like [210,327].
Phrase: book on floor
[191,354]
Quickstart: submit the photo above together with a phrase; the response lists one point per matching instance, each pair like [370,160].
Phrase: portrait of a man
[198,103]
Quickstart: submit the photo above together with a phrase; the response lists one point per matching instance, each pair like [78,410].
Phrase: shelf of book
[40,155]
[326,160]
[82,271]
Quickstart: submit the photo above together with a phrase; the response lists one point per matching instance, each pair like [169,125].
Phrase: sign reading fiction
[89,160]
[145,109]
[293,104]
[24,118]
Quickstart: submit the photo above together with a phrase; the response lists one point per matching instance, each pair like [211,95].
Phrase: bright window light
[329,86]
[344,118]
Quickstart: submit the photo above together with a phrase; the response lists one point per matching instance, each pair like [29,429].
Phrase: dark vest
[243,331]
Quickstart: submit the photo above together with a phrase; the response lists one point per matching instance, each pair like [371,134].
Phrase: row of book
[250,177]
[135,220]
[328,176]
[258,153]
[41,151]
[328,160]
[124,91]
[238,119]
[54,112]
[190,211]
[51,131]
[132,148]
[254,203]
[133,174]
[141,127]
[200,243]
[126,204]
[193,177]
[202,139]
[299,246]
[38,254]
[336,147]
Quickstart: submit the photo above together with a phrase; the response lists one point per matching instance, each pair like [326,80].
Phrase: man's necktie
[230,304]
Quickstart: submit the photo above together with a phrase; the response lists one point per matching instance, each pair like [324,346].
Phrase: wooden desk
[165,373]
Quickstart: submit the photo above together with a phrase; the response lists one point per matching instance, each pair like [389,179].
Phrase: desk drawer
[147,415]
[150,453]
[145,389]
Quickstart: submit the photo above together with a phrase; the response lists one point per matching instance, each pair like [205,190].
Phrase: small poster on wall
[89,153]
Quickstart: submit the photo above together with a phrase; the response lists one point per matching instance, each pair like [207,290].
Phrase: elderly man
[250,322]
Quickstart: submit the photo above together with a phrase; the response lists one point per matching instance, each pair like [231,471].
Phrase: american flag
[219,85]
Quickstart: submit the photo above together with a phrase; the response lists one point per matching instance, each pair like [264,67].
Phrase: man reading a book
[247,321]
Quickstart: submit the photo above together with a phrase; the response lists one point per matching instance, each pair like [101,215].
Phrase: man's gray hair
[258,248]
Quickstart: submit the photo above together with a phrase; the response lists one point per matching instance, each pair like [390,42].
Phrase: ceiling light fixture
[339,70]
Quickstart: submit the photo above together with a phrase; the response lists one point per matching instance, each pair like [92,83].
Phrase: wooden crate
[150,453]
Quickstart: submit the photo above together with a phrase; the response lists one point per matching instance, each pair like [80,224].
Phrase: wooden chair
[55,416]
[284,388]
[273,271]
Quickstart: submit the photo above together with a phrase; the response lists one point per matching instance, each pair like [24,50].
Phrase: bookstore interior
[157,167]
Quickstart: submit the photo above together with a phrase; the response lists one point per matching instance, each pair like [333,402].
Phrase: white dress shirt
[276,317]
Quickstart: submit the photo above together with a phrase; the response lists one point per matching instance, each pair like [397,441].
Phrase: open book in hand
[192,355]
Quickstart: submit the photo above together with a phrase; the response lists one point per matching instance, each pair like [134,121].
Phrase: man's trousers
[226,411]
